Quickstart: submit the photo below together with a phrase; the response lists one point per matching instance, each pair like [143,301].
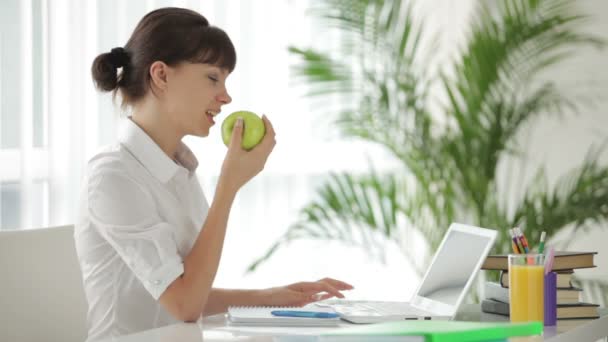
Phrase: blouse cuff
[160,279]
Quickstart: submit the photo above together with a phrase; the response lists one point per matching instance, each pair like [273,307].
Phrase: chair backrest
[41,292]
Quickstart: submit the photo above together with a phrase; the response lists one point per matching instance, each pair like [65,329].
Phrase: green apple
[253,128]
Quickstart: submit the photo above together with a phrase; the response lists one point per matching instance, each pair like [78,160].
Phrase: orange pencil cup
[526,287]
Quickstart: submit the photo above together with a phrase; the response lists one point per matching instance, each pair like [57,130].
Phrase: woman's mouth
[210,119]
[210,115]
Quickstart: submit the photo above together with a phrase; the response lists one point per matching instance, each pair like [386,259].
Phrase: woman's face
[195,95]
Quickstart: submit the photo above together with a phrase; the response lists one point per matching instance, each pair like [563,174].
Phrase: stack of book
[571,311]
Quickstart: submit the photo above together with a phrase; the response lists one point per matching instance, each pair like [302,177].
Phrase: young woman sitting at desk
[148,242]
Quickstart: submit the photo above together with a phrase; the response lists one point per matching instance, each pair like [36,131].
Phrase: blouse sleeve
[126,216]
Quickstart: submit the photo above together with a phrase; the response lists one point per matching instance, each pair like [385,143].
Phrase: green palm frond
[487,97]
[357,210]
[490,91]
[328,75]
[579,199]
[594,290]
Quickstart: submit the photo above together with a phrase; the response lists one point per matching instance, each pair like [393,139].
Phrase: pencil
[517,241]
[524,241]
[514,242]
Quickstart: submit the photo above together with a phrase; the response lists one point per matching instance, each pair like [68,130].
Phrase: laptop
[443,287]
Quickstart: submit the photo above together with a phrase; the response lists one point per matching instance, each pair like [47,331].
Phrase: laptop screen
[457,260]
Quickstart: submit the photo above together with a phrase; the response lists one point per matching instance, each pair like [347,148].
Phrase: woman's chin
[202,132]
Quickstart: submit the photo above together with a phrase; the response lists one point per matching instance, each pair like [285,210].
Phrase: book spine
[504,279]
[495,307]
[496,292]
[500,308]
[563,279]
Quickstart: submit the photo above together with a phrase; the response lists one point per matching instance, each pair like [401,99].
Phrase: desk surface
[214,328]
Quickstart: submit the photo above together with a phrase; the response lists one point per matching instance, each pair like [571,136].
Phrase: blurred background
[393,119]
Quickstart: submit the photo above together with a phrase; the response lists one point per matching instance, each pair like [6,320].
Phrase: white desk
[214,329]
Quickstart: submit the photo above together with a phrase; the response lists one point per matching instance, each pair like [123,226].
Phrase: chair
[41,292]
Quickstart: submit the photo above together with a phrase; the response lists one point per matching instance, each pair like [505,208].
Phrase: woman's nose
[224,98]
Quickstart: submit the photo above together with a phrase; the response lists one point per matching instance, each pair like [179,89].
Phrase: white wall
[562,144]
[558,143]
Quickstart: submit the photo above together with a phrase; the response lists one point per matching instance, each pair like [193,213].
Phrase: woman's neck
[158,126]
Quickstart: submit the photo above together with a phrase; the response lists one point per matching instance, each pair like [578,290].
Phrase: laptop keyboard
[373,308]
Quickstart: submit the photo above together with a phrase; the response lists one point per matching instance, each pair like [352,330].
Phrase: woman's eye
[214,79]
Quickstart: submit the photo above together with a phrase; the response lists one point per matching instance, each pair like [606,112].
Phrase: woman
[148,242]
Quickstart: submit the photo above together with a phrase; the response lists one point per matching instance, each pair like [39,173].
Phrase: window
[52,120]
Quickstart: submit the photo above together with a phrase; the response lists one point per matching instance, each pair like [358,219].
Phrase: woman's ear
[158,75]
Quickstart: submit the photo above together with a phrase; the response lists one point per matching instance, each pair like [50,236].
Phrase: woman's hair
[171,35]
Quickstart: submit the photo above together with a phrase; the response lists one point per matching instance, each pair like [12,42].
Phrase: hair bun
[119,57]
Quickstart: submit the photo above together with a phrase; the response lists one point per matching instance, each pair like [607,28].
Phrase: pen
[307,314]
[513,242]
[541,246]
[517,241]
[522,238]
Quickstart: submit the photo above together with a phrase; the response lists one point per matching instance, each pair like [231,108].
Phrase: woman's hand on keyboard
[302,293]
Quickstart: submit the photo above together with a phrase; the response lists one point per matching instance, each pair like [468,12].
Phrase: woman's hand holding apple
[241,165]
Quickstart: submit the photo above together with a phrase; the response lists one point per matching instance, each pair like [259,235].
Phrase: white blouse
[139,216]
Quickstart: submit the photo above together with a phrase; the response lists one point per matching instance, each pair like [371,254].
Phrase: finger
[266,146]
[307,299]
[315,297]
[328,287]
[269,140]
[237,134]
[268,126]
[322,286]
[340,285]
[268,143]
[323,296]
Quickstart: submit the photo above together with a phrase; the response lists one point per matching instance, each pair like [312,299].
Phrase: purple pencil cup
[550,299]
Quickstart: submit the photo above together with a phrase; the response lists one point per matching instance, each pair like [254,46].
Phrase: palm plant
[595,291]
[450,153]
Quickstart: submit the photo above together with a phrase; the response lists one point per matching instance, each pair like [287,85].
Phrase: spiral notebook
[262,316]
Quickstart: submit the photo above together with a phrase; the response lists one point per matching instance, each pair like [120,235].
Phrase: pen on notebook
[513,242]
[522,238]
[541,245]
[307,314]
